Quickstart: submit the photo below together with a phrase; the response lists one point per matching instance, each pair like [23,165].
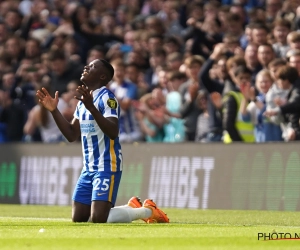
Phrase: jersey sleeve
[109,106]
[76,112]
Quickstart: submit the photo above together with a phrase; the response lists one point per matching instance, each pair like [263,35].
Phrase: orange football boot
[135,202]
[158,216]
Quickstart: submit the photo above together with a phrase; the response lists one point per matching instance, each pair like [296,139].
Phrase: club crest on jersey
[112,103]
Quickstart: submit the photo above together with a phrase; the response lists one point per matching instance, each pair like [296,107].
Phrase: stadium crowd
[185,70]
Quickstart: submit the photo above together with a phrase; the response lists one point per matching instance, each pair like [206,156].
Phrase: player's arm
[70,130]
[109,125]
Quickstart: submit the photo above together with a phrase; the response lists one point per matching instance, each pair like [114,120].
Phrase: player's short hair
[109,68]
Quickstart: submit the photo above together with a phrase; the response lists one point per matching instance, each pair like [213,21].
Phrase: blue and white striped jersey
[100,153]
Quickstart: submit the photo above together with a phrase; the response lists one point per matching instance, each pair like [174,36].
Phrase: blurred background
[190,70]
[188,73]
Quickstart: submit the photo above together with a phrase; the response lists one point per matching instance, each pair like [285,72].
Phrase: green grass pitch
[189,229]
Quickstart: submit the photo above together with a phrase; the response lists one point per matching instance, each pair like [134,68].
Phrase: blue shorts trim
[97,186]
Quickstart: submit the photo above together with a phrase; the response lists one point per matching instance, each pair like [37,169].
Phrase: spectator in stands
[274,97]
[3,33]
[39,117]
[220,70]
[97,52]
[146,113]
[286,79]
[272,9]
[293,40]
[169,15]
[235,128]
[251,59]
[154,43]
[294,60]
[265,129]
[162,73]
[214,85]
[238,9]
[68,98]
[259,34]
[154,25]
[174,61]
[265,54]
[157,59]
[14,48]
[203,129]
[281,30]
[62,71]
[134,75]
[126,93]
[189,109]
[234,24]
[231,42]
[246,38]
[156,35]
[33,49]
[13,114]
[174,129]
[27,79]
[5,65]
[71,49]
[132,72]
[171,44]
[12,20]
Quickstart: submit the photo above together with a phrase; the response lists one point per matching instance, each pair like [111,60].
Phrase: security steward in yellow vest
[235,129]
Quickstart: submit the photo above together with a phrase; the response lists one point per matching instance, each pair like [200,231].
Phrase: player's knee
[98,218]
[79,219]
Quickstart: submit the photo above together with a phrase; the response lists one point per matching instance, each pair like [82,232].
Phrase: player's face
[91,72]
